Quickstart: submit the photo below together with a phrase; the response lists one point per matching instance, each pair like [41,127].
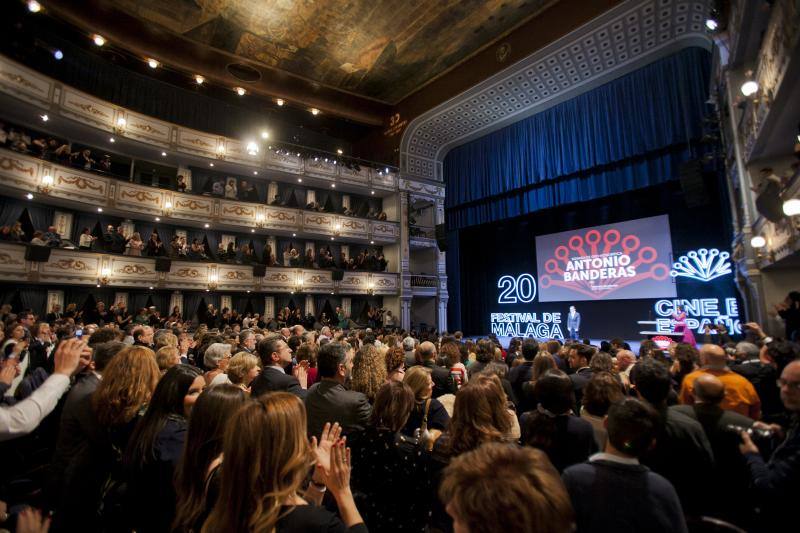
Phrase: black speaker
[259,271]
[337,275]
[441,237]
[163,264]
[692,184]
[37,253]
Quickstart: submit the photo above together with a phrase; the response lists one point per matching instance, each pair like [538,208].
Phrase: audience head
[580,355]
[167,357]
[601,392]
[631,427]
[708,389]
[782,352]
[625,359]
[393,405]
[408,344]
[369,371]
[267,457]
[103,335]
[103,353]
[217,355]
[530,348]
[333,361]
[427,351]
[274,351]
[451,353]
[497,487]
[746,350]
[789,383]
[601,362]
[247,339]
[418,378]
[479,414]
[554,392]
[128,383]
[541,364]
[714,356]
[652,382]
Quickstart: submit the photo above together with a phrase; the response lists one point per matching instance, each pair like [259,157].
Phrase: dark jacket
[329,401]
[597,488]
[437,417]
[763,377]
[517,376]
[115,242]
[442,379]
[571,442]
[273,379]
[579,380]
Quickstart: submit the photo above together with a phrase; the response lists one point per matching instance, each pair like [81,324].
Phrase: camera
[754,432]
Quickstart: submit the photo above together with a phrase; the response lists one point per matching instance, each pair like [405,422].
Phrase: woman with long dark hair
[267,458]
[198,472]
[156,447]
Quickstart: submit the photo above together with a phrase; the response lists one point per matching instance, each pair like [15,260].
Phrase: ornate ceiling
[619,41]
[381,49]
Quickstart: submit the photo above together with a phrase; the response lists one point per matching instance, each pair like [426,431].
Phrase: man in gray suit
[328,400]
[573,323]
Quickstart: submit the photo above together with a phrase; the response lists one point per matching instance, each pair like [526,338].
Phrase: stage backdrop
[507,288]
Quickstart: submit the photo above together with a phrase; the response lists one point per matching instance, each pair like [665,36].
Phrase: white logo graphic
[702,265]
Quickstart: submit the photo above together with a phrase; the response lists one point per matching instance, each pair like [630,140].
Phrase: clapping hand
[9,371]
[328,439]
[68,356]
[31,521]
[337,479]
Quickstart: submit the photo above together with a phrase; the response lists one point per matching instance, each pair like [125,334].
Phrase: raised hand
[328,439]
[31,521]
[337,478]
[67,356]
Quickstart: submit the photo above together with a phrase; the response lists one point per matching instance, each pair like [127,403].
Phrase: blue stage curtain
[42,217]
[631,132]
[10,211]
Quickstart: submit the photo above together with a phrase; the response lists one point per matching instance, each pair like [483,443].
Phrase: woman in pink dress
[679,316]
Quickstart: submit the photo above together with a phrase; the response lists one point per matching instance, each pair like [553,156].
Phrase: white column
[176,300]
[63,223]
[269,307]
[405,313]
[272,190]
[441,322]
[346,306]
[310,305]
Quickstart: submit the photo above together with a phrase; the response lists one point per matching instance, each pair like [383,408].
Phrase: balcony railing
[76,267]
[423,281]
[24,173]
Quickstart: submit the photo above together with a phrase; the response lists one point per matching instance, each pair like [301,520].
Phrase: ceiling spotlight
[339,151]
[791,207]
[99,40]
[240,91]
[198,79]
[265,135]
[314,111]
[34,6]
[255,173]
[99,209]
[151,288]
[252,231]
[121,121]
[206,226]
[758,241]
[163,154]
[58,54]
[299,180]
[248,292]
[158,219]
[333,185]
[44,118]
[153,63]
[294,234]
[331,238]
[211,164]
[280,101]
[372,192]
[29,196]
[372,242]
[749,88]
[712,24]
[111,140]
[386,170]
[252,148]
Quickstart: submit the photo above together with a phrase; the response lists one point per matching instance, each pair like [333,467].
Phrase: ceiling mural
[382,49]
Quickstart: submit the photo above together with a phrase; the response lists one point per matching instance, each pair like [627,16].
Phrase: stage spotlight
[112,140]
[153,63]
[29,196]
[712,24]
[280,102]
[58,54]
[163,154]
[99,40]
[252,148]
[758,241]
[339,151]
[240,91]
[791,207]
[198,79]
[314,111]
[34,6]
[749,88]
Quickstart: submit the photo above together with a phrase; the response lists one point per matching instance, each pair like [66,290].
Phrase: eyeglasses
[791,384]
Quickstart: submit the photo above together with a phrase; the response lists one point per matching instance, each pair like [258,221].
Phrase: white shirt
[25,416]
[85,240]
[602,456]
[219,379]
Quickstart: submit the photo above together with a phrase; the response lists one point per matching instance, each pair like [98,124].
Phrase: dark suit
[442,379]
[579,380]
[329,401]
[274,379]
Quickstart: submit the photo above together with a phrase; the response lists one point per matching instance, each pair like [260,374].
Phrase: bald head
[713,355]
[708,389]
[625,358]
[427,351]
[790,394]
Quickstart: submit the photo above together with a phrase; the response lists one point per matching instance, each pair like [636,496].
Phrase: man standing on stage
[573,323]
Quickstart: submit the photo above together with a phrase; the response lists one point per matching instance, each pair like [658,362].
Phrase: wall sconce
[167,208]
[105,276]
[213,281]
[119,127]
[221,151]
[298,284]
[47,184]
[337,229]
[260,220]
[370,288]
[252,148]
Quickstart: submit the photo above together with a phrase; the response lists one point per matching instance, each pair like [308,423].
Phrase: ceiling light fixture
[99,40]
[99,209]
[58,54]
[749,88]
[44,118]
[211,164]
[252,148]
[240,91]
[280,101]
[265,135]
[163,154]
[299,180]
[111,140]
[712,24]
[255,173]
[153,63]
[158,219]
[791,207]
[372,192]
[198,79]
[29,196]
[34,6]
[314,111]
[758,241]
[206,226]
[339,151]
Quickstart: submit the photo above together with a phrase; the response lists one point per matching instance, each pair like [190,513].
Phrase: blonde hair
[267,458]
[165,357]
[417,378]
[128,382]
[369,371]
[240,365]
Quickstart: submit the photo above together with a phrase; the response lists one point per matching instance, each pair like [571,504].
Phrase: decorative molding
[619,41]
